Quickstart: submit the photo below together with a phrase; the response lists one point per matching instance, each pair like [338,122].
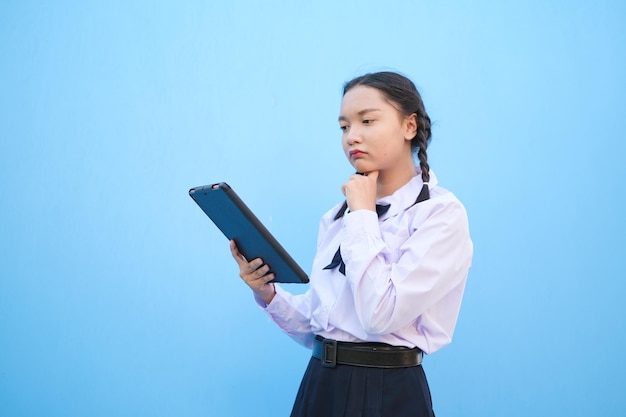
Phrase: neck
[390,181]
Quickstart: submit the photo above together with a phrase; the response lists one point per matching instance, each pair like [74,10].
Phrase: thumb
[373,175]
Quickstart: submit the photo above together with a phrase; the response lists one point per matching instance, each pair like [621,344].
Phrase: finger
[264,275]
[262,271]
[234,251]
[253,269]
[257,277]
[373,175]
[254,265]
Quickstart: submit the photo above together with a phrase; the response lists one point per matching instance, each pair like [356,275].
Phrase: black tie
[337,261]
[380,210]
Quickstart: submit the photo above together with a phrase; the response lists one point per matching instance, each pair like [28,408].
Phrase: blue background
[118,297]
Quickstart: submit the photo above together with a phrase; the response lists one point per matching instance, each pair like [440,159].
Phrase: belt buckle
[329,361]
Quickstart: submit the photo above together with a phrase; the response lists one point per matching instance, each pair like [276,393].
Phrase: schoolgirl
[390,269]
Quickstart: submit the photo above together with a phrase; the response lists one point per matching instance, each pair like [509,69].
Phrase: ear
[410,126]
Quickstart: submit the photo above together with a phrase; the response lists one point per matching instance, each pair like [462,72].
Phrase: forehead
[364,97]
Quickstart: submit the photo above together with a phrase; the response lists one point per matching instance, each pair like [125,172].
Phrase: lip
[356,153]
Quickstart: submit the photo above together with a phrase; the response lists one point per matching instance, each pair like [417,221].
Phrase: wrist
[360,205]
[269,296]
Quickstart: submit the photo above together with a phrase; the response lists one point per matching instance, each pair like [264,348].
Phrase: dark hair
[400,90]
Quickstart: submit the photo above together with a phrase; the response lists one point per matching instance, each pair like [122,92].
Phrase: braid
[421,141]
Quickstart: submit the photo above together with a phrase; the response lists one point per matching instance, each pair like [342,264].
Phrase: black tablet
[238,223]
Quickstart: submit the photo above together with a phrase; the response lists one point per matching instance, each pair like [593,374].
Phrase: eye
[343,127]
[367,121]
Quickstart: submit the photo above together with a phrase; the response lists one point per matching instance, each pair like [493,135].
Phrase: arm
[435,259]
[290,312]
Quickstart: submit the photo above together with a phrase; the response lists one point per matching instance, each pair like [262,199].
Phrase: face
[376,135]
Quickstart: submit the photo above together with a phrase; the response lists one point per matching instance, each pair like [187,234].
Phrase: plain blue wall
[118,296]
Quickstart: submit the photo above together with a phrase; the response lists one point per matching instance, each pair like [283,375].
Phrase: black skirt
[355,391]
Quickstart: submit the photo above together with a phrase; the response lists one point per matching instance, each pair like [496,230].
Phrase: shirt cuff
[274,305]
[361,223]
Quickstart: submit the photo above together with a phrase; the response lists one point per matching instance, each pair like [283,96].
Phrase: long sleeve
[392,287]
[292,314]
[404,279]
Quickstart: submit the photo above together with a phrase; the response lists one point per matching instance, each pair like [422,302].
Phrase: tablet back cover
[237,222]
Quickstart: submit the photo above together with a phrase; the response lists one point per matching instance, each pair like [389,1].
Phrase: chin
[358,165]
[362,167]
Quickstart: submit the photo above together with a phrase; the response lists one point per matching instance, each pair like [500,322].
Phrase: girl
[390,268]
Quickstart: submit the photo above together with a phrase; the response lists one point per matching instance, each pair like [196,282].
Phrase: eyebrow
[360,113]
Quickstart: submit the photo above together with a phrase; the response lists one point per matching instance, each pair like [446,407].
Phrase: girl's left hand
[360,191]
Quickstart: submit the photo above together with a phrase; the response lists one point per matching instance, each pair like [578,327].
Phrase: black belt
[373,355]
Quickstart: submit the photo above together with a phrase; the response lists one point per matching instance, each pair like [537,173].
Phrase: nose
[353,136]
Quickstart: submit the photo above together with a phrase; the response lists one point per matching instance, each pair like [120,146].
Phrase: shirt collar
[405,196]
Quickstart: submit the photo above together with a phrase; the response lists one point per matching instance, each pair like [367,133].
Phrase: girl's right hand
[254,274]
[360,191]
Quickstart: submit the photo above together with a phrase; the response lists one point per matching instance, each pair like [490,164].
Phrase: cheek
[344,144]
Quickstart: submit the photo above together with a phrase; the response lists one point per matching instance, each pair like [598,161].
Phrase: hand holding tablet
[237,222]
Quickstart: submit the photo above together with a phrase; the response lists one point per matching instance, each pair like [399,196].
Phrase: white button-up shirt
[405,274]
